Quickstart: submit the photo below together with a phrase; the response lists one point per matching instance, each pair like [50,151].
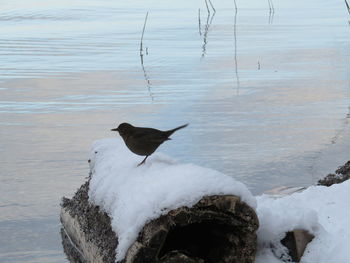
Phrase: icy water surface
[266,95]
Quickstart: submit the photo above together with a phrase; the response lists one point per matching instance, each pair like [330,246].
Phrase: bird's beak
[115,129]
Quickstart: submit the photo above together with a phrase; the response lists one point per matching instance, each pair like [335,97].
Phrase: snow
[133,195]
[323,211]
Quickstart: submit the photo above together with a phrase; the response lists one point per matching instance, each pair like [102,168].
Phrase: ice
[133,195]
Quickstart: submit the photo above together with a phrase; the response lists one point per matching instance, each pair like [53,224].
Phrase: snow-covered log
[159,212]
[216,229]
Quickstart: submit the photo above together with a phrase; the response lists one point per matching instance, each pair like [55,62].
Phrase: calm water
[267,96]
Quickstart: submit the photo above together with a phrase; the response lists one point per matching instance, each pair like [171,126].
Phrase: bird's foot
[141,163]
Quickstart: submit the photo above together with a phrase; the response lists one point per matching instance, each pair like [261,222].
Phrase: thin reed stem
[212,6]
[206,3]
[143,31]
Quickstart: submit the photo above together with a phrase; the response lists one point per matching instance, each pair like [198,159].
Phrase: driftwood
[341,174]
[218,229]
[296,241]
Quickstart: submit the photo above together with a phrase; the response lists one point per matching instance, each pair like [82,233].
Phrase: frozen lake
[266,95]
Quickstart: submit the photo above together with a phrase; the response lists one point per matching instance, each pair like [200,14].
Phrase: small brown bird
[143,141]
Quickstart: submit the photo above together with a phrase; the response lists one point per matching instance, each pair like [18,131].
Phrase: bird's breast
[142,146]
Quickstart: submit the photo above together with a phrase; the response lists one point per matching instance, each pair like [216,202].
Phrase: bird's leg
[144,160]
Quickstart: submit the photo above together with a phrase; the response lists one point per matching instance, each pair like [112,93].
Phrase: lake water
[266,95]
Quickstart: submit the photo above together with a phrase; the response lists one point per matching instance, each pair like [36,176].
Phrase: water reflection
[271,14]
[147,79]
[235,52]
[199,22]
[210,17]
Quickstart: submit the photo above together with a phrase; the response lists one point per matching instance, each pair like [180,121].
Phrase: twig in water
[199,22]
[207,25]
[272,9]
[235,42]
[347,5]
[212,6]
[211,19]
[235,4]
[271,16]
[206,29]
[143,31]
[206,3]
[205,35]
[148,82]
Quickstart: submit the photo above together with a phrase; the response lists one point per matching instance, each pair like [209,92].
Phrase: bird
[144,141]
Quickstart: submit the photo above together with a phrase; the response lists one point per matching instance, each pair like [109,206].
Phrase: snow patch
[323,211]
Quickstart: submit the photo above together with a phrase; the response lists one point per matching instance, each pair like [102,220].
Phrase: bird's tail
[170,132]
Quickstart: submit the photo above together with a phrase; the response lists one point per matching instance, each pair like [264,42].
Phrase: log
[219,228]
[87,235]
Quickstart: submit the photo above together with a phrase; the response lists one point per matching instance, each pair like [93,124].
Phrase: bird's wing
[149,134]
